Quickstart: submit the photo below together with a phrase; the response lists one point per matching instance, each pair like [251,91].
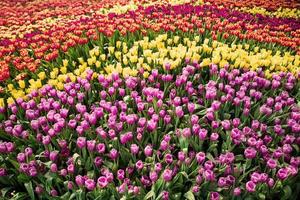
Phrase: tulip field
[149,99]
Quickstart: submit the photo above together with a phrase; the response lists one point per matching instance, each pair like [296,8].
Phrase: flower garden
[153,100]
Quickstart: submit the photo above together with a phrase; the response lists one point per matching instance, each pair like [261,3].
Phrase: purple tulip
[200,157]
[53,155]
[81,142]
[139,165]
[282,173]
[209,175]
[113,154]
[90,184]
[167,175]
[250,186]
[214,196]
[202,134]
[53,193]
[237,191]
[53,168]
[100,148]
[102,182]
[91,144]
[2,172]
[179,112]
[148,151]
[250,153]
[271,163]
[79,180]
[214,137]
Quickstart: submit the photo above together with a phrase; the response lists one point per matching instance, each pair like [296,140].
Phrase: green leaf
[210,157]
[239,158]
[14,163]
[22,178]
[261,196]
[66,196]
[212,147]
[20,196]
[158,185]
[296,147]
[73,196]
[248,163]
[29,189]
[287,192]
[5,190]
[189,195]
[149,195]
[184,174]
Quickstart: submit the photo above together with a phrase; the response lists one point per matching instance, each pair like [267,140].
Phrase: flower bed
[175,99]
[46,39]
[196,133]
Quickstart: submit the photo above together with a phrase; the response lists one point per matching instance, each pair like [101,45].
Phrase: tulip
[167,175]
[250,186]
[214,196]
[81,142]
[237,191]
[90,184]
[282,173]
[113,154]
[102,182]
[250,153]
[148,151]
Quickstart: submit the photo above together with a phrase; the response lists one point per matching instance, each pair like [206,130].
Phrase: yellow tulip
[146,67]
[53,74]
[77,72]
[80,60]
[90,61]
[108,69]
[118,44]
[10,87]
[2,104]
[119,68]
[42,75]
[126,71]
[196,57]
[133,59]
[94,59]
[149,59]
[125,61]
[60,86]
[176,39]
[63,70]
[102,56]
[61,78]
[185,40]
[118,55]
[125,48]
[21,84]
[223,63]
[146,74]
[111,50]
[215,44]
[98,63]
[10,100]
[206,41]
[72,77]
[97,51]
[65,62]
